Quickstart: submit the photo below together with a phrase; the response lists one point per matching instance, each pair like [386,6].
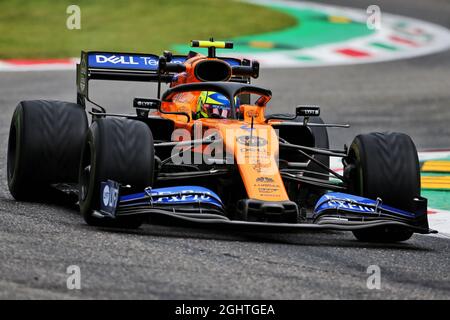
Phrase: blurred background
[320,52]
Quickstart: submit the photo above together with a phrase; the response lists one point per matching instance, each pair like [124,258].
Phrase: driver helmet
[213,105]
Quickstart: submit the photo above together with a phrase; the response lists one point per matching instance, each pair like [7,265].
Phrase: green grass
[37,28]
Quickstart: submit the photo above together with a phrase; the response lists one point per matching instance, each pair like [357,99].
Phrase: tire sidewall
[15,174]
[86,200]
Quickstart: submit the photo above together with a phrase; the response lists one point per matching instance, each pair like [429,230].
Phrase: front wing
[198,206]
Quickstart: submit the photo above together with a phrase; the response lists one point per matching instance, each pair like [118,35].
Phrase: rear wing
[96,65]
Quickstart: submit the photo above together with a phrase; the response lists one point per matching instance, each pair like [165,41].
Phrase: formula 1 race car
[204,152]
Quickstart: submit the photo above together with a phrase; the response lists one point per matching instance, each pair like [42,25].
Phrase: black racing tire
[115,149]
[386,166]
[44,147]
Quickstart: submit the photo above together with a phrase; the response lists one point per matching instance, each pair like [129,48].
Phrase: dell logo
[115,59]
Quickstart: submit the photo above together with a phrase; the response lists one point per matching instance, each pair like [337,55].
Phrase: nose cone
[256,155]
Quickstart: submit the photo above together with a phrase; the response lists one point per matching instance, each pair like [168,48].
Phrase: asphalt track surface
[39,241]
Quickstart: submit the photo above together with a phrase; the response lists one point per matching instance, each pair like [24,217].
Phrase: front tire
[120,150]
[384,165]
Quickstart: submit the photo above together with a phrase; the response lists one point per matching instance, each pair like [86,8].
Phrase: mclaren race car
[205,151]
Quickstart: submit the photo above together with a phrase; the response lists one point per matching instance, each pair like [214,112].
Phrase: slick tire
[115,149]
[386,166]
[44,147]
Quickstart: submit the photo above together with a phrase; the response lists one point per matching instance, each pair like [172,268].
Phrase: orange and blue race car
[207,152]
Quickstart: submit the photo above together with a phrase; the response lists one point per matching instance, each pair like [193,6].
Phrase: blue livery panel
[131,61]
[109,199]
[123,61]
[175,195]
[346,202]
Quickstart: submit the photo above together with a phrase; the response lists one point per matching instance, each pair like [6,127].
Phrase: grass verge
[37,29]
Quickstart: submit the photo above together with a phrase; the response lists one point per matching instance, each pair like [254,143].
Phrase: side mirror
[164,66]
[247,69]
[307,111]
[144,105]
[168,55]
[262,101]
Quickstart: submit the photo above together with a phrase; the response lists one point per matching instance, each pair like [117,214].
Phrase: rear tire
[384,165]
[44,147]
[120,150]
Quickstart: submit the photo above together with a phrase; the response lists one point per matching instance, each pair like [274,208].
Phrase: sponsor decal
[185,194]
[173,195]
[251,141]
[264,179]
[268,191]
[132,61]
[266,186]
[146,103]
[348,202]
[262,167]
[110,197]
[106,195]
[115,59]
[123,61]
[308,111]
[311,112]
